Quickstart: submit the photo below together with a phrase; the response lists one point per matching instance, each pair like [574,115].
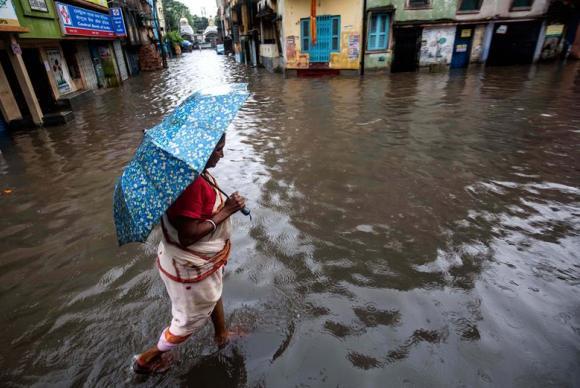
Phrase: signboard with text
[118,22]
[38,5]
[7,14]
[85,22]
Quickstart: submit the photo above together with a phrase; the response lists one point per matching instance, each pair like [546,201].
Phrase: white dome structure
[185,29]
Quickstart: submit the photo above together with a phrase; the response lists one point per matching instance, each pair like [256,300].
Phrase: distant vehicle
[186,46]
[219,48]
[205,45]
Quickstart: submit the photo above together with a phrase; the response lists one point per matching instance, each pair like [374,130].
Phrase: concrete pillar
[540,42]
[245,19]
[25,84]
[8,104]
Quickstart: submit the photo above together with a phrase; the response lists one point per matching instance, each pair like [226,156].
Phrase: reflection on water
[421,229]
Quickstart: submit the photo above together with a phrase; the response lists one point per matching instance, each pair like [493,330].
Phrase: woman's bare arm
[191,230]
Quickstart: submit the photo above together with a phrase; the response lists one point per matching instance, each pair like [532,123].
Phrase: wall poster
[59,70]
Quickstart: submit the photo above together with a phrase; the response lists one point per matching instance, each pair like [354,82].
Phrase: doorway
[406,50]
[69,50]
[462,47]
[514,43]
[41,84]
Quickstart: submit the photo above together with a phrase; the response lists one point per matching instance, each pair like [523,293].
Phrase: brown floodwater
[409,230]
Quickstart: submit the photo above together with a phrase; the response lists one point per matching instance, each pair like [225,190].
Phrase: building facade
[322,36]
[409,35]
[56,50]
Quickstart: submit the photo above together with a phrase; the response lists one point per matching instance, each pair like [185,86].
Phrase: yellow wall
[351,32]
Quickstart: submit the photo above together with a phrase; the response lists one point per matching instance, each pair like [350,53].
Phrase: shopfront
[17,100]
[97,31]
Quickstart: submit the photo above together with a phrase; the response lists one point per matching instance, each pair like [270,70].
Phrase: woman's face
[217,154]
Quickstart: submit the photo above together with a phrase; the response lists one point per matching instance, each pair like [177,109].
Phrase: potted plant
[175,41]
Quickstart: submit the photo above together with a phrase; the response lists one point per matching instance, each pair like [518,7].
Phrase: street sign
[118,22]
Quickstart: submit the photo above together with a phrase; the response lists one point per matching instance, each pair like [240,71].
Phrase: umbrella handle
[245,211]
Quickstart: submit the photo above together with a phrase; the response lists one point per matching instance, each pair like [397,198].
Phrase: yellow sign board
[102,3]
[466,33]
[7,15]
[555,30]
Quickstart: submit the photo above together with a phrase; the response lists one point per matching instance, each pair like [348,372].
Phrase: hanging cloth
[313,21]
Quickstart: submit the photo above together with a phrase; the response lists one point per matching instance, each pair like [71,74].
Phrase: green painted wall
[42,25]
[378,61]
[440,9]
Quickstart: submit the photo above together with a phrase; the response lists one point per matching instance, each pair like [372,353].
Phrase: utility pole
[161,43]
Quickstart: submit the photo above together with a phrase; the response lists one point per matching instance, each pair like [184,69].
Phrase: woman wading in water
[193,250]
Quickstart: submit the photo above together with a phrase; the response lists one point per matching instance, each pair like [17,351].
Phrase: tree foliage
[200,23]
[175,10]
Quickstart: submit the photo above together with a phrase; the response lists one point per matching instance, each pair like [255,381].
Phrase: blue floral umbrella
[170,157]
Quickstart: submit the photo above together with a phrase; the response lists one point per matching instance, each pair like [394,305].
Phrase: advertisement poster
[84,22]
[59,70]
[7,15]
[38,5]
[290,48]
[353,46]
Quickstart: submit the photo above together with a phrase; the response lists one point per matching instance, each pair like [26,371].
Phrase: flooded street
[412,229]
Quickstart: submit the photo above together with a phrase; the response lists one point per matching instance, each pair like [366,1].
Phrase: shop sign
[38,5]
[59,70]
[7,15]
[85,22]
[466,33]
[501,29]
[118,22]
[555,30]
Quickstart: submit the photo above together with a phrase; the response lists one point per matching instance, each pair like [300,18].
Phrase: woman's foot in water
[227,336]
[153,361]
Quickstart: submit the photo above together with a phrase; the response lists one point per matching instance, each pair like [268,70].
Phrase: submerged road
[409,230]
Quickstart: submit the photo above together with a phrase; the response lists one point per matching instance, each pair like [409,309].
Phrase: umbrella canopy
[170,157]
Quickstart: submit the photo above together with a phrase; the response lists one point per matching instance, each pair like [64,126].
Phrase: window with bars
[327,33]
[470,5]
[305,35]
[378,38]
[418,3]
[522,4]
[335,33]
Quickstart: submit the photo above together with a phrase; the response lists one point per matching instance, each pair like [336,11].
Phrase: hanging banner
[118,22]
[59,70]
[102,3]
[84,22]
[7,14]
